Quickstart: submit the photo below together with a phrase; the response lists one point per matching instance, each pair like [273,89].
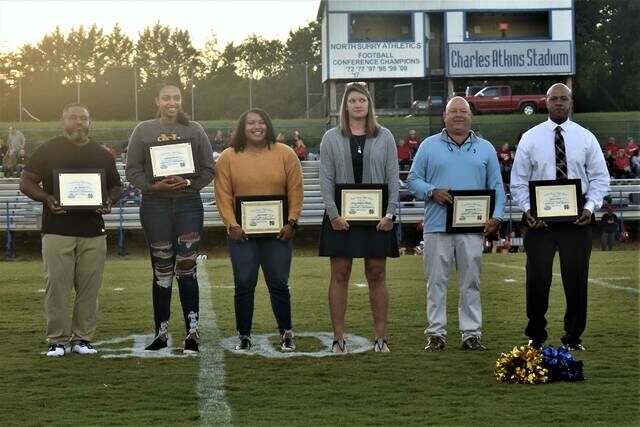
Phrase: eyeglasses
[363,84]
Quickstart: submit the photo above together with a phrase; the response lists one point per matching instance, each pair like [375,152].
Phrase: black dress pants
[573,244]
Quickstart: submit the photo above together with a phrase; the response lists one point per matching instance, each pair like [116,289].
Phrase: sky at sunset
[24,22]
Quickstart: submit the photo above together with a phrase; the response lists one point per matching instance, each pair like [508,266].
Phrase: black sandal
[341,344]
[379,344]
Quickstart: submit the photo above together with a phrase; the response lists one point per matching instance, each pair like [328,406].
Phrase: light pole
[20,99]
[193,102]
[306,84]
[135,90]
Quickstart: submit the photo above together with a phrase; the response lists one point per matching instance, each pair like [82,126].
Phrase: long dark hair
[240,139]
[183,118]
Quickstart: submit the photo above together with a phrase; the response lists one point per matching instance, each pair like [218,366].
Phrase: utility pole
[306,84]
[135,90]
[193,101]
[20,99]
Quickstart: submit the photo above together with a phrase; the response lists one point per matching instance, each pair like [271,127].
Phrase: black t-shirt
[609,223]
[60,153]
[357,158]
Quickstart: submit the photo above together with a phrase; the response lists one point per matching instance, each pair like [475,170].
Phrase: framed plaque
[80,189]
[362,204]
[172,158]
[261,216]
[470,210]
[556,200]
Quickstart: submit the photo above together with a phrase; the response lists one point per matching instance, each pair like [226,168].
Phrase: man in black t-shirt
[73,242]
[609,226]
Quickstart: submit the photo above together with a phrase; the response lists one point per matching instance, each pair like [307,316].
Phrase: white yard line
[214,409]
[598,282]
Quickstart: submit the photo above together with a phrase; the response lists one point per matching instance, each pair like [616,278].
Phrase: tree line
[107,70]
[103,69]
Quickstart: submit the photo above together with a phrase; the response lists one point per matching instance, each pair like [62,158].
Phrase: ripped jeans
[172,227]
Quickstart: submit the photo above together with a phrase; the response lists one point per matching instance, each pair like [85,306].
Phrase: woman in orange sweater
[256,166]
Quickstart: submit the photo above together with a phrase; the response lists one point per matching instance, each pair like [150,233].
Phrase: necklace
[168,134]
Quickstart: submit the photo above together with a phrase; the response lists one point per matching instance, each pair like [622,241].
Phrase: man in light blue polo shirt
[454,159]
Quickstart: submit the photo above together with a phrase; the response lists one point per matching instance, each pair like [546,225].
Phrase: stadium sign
[509,58]
[368,60]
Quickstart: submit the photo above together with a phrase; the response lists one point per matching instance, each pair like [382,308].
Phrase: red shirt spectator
[412,141]
[611,147]
[622,165]
[505,156]
[632,148]
[301,150]
[404,151]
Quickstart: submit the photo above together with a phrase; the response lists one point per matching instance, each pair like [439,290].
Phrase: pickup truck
[498,99]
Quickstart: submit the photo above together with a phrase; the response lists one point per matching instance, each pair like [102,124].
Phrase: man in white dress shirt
[579,157]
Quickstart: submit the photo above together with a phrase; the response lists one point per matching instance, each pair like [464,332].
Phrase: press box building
[410,50]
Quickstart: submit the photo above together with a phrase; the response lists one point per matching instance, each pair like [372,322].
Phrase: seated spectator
[9,164]
[404,155]
[412,141]
[635,165]
[632,148]
[611,147]
[301,150]
[231,138]
[505,157]
[295,137]
[217,142]
[622,165]
[3,150]
[281,138]
[610,160]
[21,160]
[131,195]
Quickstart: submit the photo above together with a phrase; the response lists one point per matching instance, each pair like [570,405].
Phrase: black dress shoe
[538,345]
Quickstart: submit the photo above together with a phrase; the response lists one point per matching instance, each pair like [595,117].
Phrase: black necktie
[561,156]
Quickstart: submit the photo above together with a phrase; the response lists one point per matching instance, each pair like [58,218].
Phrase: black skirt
[359,242]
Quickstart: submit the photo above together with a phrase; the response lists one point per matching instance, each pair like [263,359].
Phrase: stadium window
[507,25]
[381,27]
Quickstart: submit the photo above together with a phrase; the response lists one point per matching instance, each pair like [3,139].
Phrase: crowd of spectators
[13,155]
[622,163]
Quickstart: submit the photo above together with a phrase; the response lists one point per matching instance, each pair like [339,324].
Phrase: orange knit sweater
[274,171]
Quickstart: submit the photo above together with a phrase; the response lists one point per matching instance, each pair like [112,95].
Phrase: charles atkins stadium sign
[509,58]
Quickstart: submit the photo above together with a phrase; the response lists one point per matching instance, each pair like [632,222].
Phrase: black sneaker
[245,344]
[538,345]
[287,344]
[473,343]
[191,343]
[434,343]
[158,343]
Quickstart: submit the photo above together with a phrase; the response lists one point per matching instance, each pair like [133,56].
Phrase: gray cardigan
[380,166]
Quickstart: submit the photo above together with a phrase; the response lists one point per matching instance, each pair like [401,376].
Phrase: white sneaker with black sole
[83,347]
[55,350]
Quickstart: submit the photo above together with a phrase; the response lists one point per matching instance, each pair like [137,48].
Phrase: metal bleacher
[18,212]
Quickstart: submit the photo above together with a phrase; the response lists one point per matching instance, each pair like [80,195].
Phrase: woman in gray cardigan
[358,151]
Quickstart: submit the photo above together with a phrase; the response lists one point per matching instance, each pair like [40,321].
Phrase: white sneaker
[55,350]
[83,347]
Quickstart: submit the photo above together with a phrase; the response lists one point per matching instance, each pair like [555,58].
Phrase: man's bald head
[457,117]
[559,102]
[457,101]
[557,87]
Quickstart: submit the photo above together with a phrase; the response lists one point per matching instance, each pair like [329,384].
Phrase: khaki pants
[72,263]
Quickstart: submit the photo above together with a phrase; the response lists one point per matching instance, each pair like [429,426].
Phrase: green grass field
[498,128]
[406,387]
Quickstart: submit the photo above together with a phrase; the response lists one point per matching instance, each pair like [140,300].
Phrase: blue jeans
[274,256]
[172,227]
